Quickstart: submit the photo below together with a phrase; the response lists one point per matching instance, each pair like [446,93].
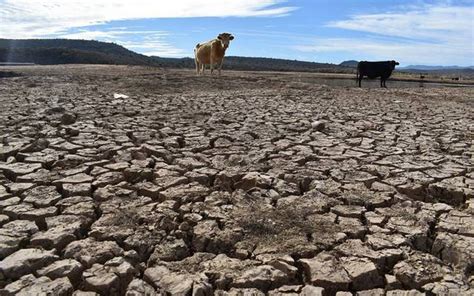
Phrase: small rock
[68,118]
[89,251]
[42,196]
[25,281]
[75,179]
[262,277]
[169,251]
[19,168]
[172,283]
[139,287]
[84,293]
[309,290]
[63,268]
[112,278]
[59,287]
[391,283]
[405,293]
[350,211]
[454,249]
[419,269]
[82,189]
[318,125]
[325,271]
[363,273]
[373,292]
[26,261]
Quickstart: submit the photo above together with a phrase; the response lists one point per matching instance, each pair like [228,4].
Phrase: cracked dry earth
[251,184]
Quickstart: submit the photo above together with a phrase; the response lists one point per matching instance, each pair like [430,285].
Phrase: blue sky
[412,32]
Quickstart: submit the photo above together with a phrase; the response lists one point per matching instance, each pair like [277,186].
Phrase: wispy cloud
[148,42]
[73,19]
[428,22]
[425,33]
[407,52]
[39,18]
[156,45]
[111,34]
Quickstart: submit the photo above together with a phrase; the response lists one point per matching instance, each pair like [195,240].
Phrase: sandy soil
[247,184]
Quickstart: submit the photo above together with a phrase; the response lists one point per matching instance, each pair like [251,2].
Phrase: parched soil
[246,184]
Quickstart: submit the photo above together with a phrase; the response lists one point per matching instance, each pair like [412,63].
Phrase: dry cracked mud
[248,184]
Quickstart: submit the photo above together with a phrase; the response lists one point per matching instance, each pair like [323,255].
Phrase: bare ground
[248,184]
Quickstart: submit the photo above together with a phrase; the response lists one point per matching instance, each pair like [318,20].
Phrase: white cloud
[70,19]
[431,34]
[147,42]
[156,47]
[40,18]
[439,22]
[406,52]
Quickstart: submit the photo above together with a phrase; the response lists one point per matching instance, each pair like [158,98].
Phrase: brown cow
[212,53]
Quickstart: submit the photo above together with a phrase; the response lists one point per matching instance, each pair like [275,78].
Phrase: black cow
[374,70]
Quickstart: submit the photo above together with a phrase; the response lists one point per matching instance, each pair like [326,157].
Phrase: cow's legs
[198,67]
[220,66]
[360,81]
[212,65]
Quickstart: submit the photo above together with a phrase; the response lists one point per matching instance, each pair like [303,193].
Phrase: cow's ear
[219,37]
[231,37]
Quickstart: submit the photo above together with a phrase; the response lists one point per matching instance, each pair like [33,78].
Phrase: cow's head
[393,64]
[225,39]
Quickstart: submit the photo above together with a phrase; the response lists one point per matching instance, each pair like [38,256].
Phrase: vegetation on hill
[65,51]
[468,71]
[349,64]
[254,64]
[269,64]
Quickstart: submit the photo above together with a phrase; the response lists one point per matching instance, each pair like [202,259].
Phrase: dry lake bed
[247,184]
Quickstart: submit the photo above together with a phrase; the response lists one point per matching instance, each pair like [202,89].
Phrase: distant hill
[270,64]
[439,70]
[350,64]
[65,51]
[253,64]
[180,63]
[434,68]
